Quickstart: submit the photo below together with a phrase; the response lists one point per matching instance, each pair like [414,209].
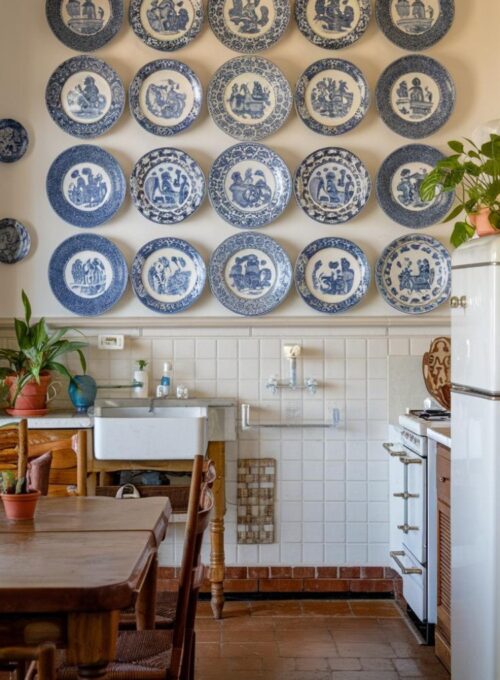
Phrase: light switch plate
[111,341]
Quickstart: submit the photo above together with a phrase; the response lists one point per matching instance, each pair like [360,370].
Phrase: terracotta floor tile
[364,675]
[311,664]
[359,635]
[377,664]
[308,649]
[326,608]
[340,664]
[276,608]
[418,668]
[278,664]
[208,635]
[208,649]
[248,635]
[303,635]
[248,649]
[376,608]
[365,649]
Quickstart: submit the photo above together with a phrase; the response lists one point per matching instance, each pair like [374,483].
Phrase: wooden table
[66,575]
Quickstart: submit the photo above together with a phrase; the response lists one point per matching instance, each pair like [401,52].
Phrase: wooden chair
[14,447]
[16,658]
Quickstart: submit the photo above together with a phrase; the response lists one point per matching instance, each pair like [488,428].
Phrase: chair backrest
[14,446]
[44,654]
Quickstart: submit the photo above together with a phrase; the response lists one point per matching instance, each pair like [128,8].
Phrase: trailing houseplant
[472,172]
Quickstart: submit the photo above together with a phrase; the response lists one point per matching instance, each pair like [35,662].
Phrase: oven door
[414,530]
[414,577]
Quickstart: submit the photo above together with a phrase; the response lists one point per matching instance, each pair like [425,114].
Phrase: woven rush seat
[166,603]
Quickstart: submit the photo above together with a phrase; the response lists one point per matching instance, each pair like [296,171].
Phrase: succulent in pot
[19,500]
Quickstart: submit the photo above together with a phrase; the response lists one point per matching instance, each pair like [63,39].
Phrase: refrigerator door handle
[456,302]
[396,554]
[395,454]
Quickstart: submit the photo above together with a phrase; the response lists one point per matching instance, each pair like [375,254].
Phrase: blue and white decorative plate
[165,97]
[85,185]
[413,24]
[415,96]
[332,274]
[15,241]
[249,185]
[398,187]
[13,140]
[84,25]
[332,185]
[250,273]
[167,185]
[85,97]
[332,96]
[249,98]
[329,25]
[413,274]
[168,275]
[166,25]
[248,25]
[88,274]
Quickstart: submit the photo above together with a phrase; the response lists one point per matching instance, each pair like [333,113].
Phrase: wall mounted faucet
[292,353]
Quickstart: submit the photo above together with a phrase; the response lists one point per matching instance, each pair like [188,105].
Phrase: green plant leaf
[454,213]
[27,307]
[456,146]
[495,218]
[462,232]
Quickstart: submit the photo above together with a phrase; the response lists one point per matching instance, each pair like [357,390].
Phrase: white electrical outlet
[111,341]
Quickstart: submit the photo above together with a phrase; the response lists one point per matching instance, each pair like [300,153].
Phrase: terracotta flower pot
[481,220]
[20,505]
[33,398]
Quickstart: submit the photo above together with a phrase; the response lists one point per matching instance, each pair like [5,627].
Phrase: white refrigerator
[475,471]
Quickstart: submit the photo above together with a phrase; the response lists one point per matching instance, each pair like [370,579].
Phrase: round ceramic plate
[249,185]
[415,24]
[168,275]
[13,140]
[250,274]
[85,97]
[84,25]
[332,96]
[332,275]
[166,25]
[248,25]
[88,274]
[413,274]
[15,241]
[329,25]
[415,96]
[165,97]
[249,98]
[85,185]
[332,185]
[398,187]
[167,185]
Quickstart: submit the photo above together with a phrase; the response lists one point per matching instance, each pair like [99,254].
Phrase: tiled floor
[311,640]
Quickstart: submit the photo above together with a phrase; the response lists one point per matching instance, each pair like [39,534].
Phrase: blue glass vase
[82,392]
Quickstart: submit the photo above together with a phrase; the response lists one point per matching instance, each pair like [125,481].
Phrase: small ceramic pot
[82,392]
[142,377]
[32,400]
[481,220]
[20,505]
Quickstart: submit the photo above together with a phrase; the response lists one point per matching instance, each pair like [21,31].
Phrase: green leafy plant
[141,363]
[473,173]
[10,484]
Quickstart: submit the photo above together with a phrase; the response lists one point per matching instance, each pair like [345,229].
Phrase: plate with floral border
[332,275]
[415,96]
[84,25]
[168,275]
[85,97]
[165,97]
[167,185]
[332,185]
[332,96]
[398,186]
[249,98]
[14,140]
[86,185]
[249,185]
[166,25]
[248,26]
[15,241]
[250,273]
[330,28]
[413,274]
[413,24]
[88,274]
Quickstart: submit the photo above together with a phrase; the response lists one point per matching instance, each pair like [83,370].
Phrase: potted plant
[141,379]
[18,500]
[473,173]
[27,376]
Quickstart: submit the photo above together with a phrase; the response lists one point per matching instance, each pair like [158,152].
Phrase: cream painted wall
[30,53]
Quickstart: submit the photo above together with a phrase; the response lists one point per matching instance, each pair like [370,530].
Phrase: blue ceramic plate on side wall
[84,25]
[332,27]
[13,140]
[15,241]
[415,25]
[166,26]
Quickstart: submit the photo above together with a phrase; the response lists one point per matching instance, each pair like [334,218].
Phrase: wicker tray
[178,494]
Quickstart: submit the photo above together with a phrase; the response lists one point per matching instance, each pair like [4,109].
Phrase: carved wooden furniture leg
[216,452]
[92,641]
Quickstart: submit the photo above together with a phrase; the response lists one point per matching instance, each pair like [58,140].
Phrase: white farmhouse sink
[150,433]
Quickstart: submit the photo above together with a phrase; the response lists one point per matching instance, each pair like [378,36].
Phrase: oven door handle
[410,461]
[395,454]
[396,554]
[405,495]
[406,528]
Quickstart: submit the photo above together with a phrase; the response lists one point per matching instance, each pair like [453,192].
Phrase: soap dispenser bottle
[163,389]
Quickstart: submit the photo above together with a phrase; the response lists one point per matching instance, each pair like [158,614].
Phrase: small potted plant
[473,173]
[18,499]
[141,379]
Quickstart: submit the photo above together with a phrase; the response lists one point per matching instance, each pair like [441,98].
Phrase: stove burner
[431,414]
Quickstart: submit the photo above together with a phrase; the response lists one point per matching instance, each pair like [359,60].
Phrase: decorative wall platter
[436,368]
[332,275]
[413,274]
[168,275]
[415,96]
[332,185]
[85,185]
[250,274]
[167,185]
[398,186]
[85,97]
[164,24]
[249,185]
[88,274]
[249,98]
[13,140]
[15,241]
[414,24]
[84,25]
[165,97]
[248,25]
[332,96]
[329,25]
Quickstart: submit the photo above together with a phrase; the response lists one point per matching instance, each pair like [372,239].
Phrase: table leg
[216,453]
[92,641]
[145,609]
